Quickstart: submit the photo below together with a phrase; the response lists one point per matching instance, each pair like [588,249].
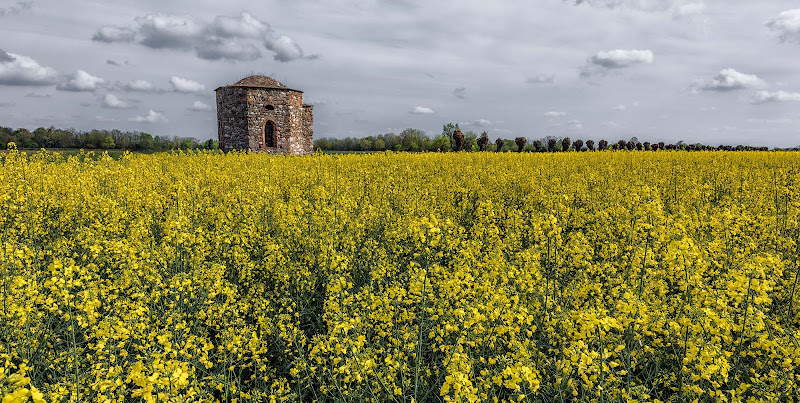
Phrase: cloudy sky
[711,71]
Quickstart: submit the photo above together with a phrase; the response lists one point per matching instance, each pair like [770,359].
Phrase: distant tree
[590,145]
[646,146]
[551,145]
[565,143]
[602,145]
[499,143]
[521,141]
[638,146]
[108,143]
[577,145]
[630,145]
[448,130]
[537,145]
[24,139]
[483,141]
[458,138]
[660,145]
[621,145]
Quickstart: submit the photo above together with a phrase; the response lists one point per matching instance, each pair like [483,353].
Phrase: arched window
[269,135]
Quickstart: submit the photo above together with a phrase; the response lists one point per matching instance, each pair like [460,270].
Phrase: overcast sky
[712,71]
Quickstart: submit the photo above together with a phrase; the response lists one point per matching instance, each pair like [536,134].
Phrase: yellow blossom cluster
[602,276]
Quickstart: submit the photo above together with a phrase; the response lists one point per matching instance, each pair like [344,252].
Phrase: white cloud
[113,102]
[225,38]
[81,81]
[786,26]
[542,79]
[763,97]
[421,110]
[160,31]
[140,85]
[200,106]
[575,125]
[22,70]
[609,124]
[481,123]
[185,85]
[113,33]
[689,9]
[243,26]
[554,114]
[620,108]
[642,5]
[728,80]
[501,132]
[285,48]
[152,117]
[105,119]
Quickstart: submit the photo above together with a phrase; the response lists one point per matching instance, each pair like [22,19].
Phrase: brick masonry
[246,108]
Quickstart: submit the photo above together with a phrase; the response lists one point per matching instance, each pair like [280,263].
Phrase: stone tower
[262,115]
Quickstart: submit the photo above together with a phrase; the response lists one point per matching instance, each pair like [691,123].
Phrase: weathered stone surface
[246,108]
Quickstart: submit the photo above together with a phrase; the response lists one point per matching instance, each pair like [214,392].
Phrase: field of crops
[595,276]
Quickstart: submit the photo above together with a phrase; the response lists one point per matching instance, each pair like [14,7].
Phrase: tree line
[453,138]
[98,139]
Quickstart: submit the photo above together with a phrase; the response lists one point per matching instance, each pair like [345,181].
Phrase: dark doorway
[269,135]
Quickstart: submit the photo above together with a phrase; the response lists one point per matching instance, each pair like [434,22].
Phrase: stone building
[262,115]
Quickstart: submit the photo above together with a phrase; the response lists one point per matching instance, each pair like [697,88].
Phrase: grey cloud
[228,50]
[111,62]
[225,38]
[17,8]
[786,26]
[604,61]
[112,33]
[81,81]
[19,70]
[460,92]
[617,59]
[8,104]
[35,95]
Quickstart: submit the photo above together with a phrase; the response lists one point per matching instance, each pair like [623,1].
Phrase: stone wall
[242,113]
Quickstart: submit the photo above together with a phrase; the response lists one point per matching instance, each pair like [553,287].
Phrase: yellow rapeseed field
[597,276]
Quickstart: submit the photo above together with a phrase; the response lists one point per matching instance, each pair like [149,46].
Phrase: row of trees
[453,139]
[98,139]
